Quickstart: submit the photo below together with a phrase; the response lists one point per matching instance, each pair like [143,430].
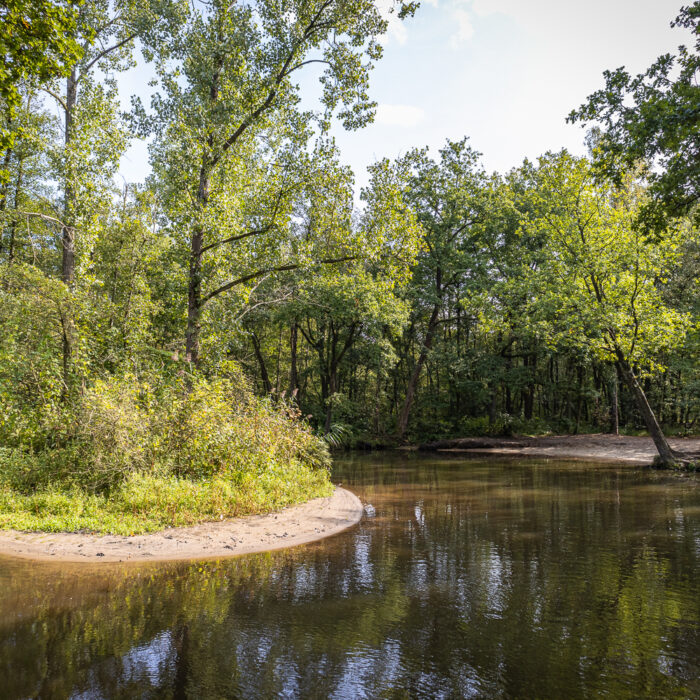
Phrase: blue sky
[503,72]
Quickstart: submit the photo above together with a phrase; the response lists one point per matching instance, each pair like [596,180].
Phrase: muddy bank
[634,450]
[295,525]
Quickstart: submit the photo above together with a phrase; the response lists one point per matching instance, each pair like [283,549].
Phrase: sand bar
[596,447]
[307,522]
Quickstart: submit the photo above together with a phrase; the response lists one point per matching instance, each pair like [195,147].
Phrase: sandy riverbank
[622,448]
[295,525]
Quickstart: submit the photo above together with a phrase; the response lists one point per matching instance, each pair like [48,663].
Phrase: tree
[599,284]
[448,199]
[654,118]
[339,311]
[94,134]
[27,219]
[37,43]
[230,104]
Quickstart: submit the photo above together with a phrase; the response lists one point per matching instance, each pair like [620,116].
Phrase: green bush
[161,452]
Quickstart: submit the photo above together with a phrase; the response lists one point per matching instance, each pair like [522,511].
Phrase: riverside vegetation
[187,348]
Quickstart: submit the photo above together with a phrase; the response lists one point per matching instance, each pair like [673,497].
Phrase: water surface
[467,578]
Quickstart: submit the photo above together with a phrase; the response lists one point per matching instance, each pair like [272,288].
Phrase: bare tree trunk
[68,227]
[277,369]
[4,191]
[332,389]
[194,285]
[493,403]
[530,361]
[13,224]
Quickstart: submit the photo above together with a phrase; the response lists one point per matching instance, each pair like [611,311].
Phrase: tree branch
[239,237]
[45,217]
[104,53]
[56,97]
[267,271]
[272,93]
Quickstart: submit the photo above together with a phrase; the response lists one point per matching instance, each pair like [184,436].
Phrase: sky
[504,73]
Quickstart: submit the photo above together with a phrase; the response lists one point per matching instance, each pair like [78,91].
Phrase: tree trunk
[68,229]
[614,405]
[4,191]
[332,389]
[293,369]
[667,457]
[493,403]
[13,224]
[194,285]
[267,385]
[402,423]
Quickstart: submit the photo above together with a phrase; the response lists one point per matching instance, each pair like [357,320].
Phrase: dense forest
[244,304]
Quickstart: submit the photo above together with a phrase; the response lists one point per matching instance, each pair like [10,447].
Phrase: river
[467,577]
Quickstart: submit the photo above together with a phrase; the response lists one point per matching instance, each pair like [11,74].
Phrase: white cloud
[399,115]
[396,29]
[465,28]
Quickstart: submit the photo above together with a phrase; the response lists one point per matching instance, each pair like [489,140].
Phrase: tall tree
[447,197]
[230,100]
[600,284]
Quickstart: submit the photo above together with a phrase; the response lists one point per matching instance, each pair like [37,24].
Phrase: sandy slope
[295,525]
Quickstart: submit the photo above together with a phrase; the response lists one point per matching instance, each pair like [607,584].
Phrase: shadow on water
[467,578]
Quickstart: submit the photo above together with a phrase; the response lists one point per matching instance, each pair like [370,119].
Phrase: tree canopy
[653,119]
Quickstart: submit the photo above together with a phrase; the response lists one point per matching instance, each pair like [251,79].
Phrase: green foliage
[599,283]
[189,427]
[33,309]
[37,43]
[653,118]
[450,302]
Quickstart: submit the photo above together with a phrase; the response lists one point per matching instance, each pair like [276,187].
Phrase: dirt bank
[307,522]
[635,450]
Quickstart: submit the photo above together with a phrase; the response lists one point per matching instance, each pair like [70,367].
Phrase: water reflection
[472,579]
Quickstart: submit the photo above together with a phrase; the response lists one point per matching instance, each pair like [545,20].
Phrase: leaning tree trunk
[667,457]
[402,423]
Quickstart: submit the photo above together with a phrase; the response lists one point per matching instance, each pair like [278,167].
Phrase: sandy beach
[307,522]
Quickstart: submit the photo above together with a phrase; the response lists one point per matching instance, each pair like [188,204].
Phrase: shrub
[148,444]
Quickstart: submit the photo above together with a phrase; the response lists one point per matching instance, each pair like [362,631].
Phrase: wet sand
[307,522]
[600,446]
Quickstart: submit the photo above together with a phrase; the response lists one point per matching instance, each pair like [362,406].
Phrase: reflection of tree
[515,580]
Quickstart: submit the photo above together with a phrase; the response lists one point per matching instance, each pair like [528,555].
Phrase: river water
[467,577]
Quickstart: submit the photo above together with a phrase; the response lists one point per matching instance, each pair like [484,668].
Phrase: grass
[147,503]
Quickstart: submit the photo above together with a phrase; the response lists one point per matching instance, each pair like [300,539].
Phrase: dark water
[469,578]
